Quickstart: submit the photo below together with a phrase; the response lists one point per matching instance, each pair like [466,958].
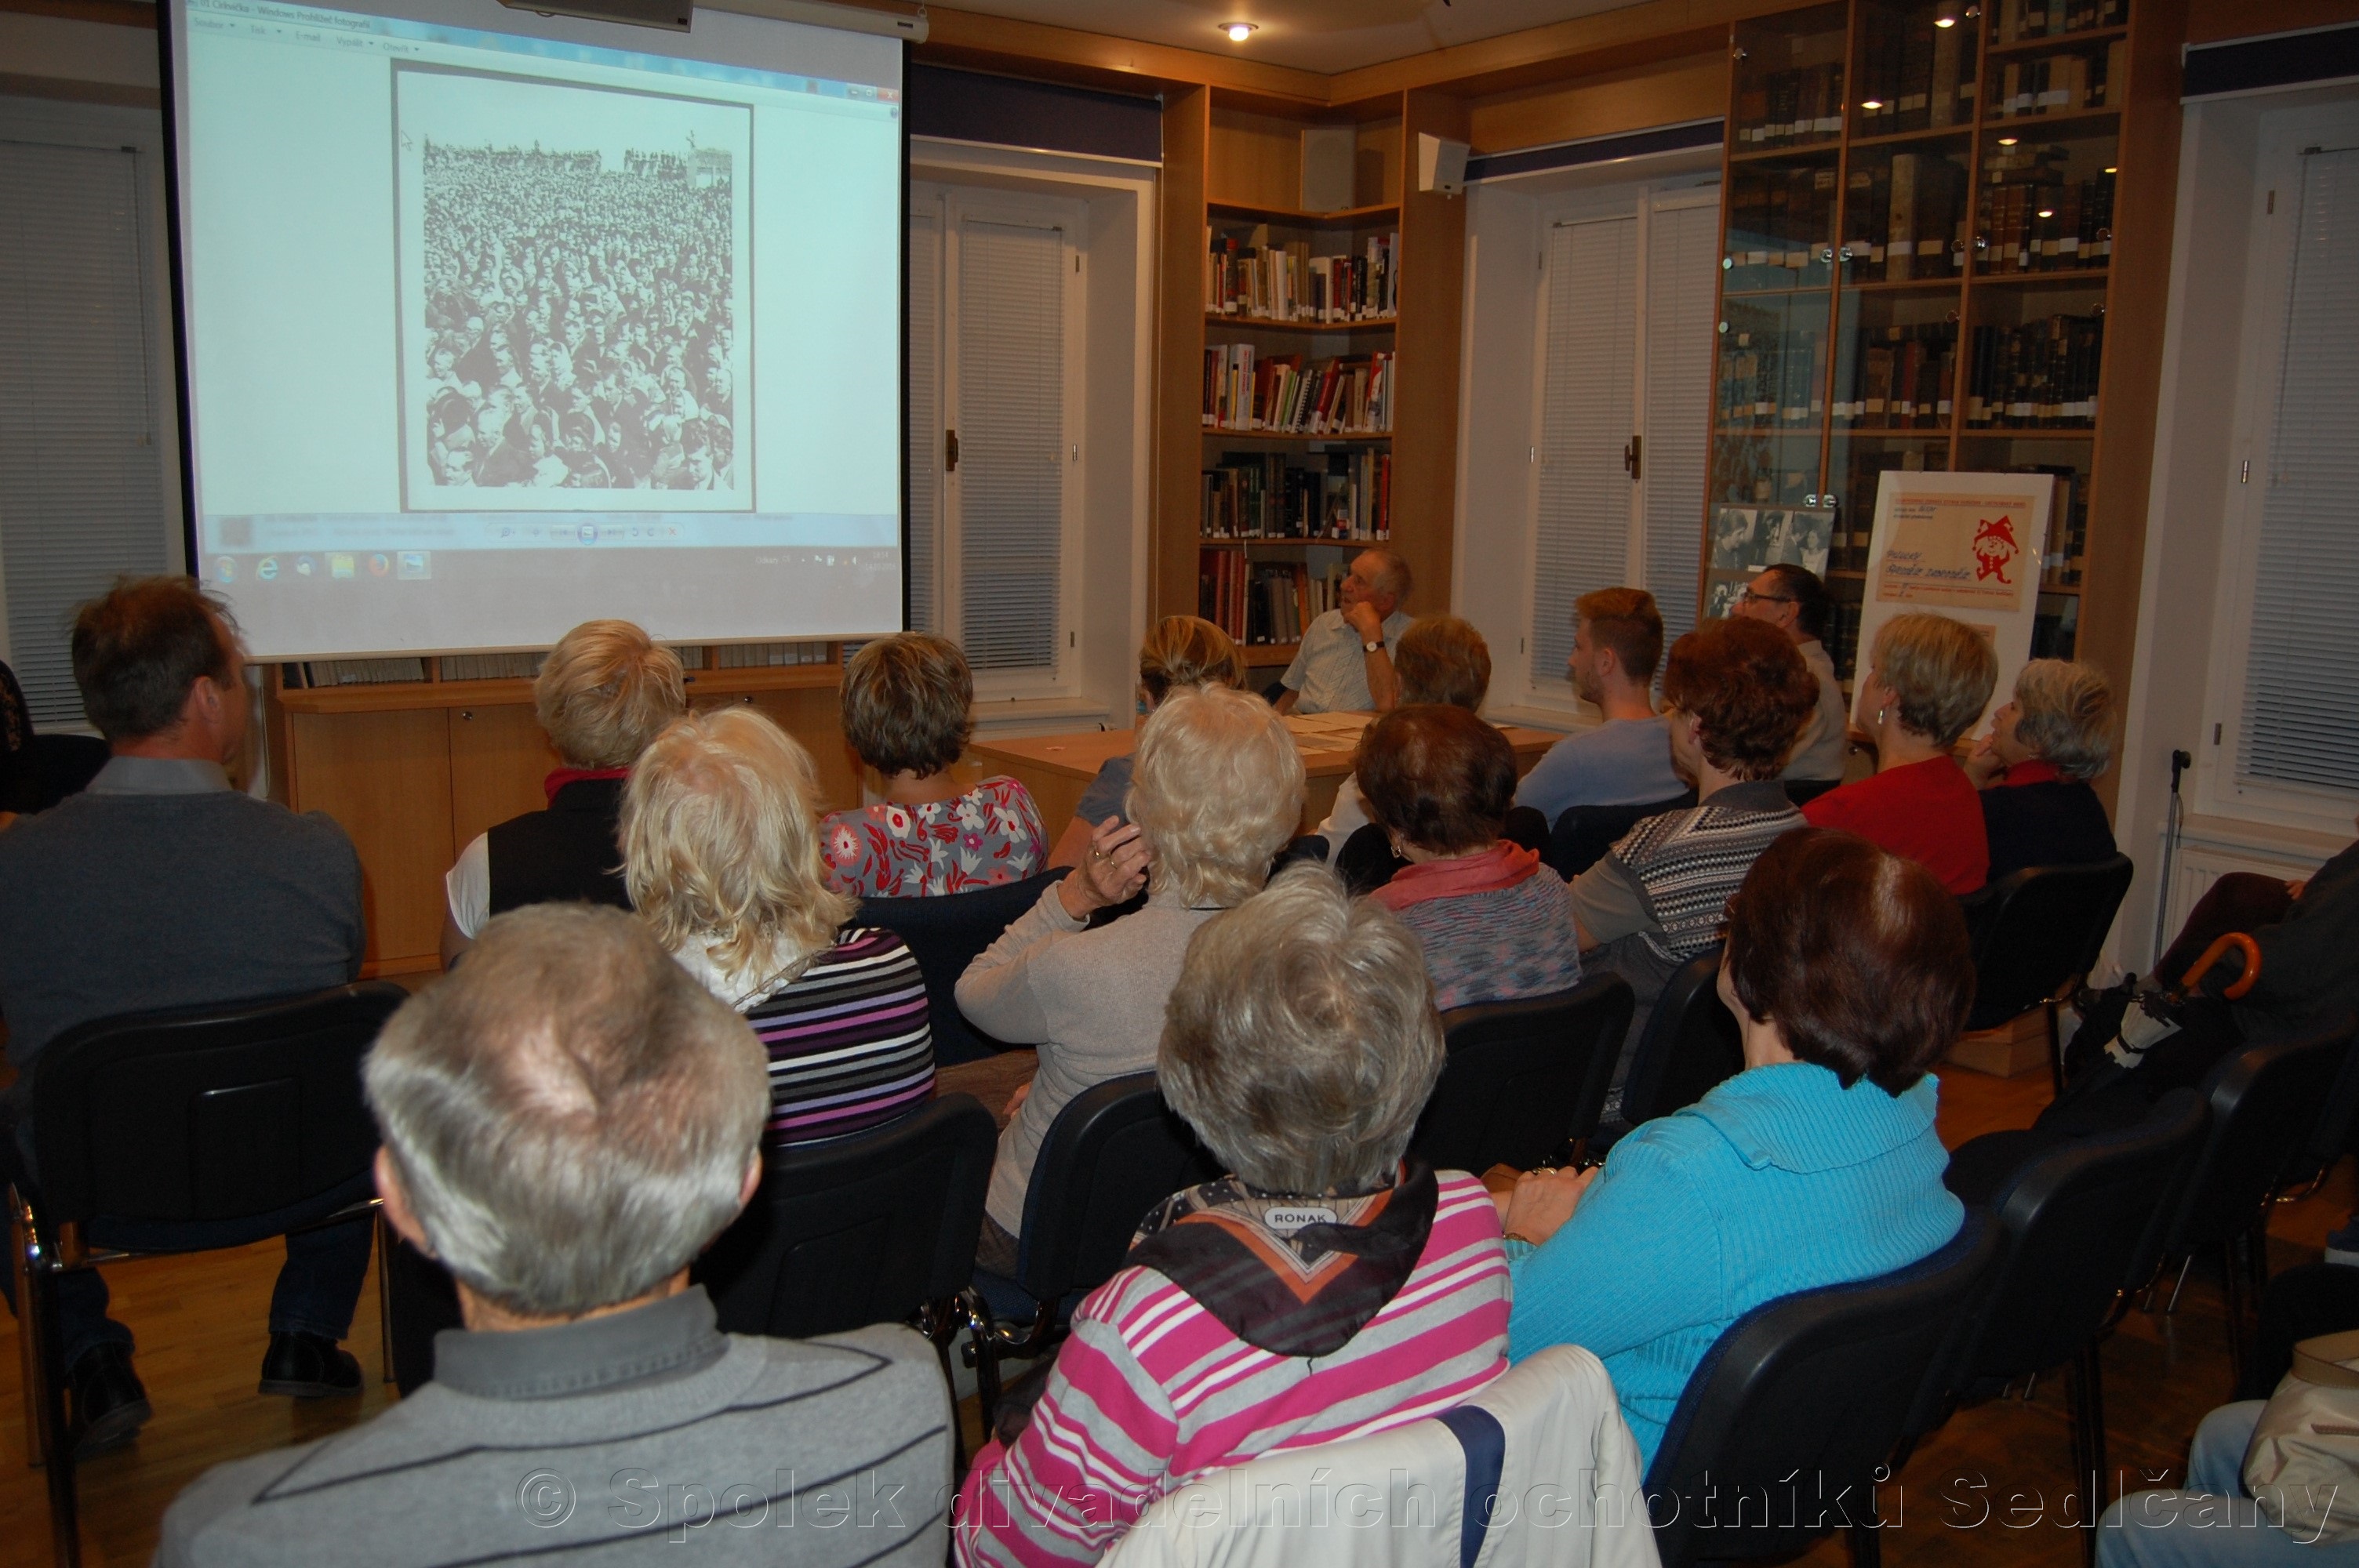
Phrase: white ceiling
[1326,36]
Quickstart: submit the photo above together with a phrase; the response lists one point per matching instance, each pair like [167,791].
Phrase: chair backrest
[1690,1044]
[2265,1101]
[1777,1437]
[859,1230]
[1801,791]
[1537,1468]
[944,935]
[2038,928]
[224,1112]
[1582,834]
[1523,1076]
[1114,1152]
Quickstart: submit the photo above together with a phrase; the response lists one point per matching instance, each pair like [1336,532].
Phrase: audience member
[908,708]
[1216,793]
[1182,651]
[1617,641]
[1495,924]
[1345,661]
[568,1120]
[162,886]
[602,695]
[1850,974]
[1737,694]
[2034,766]
[722,861]
[1794,601]
[1928,680]
[1441,659]
[2216,1518]
[1326,1288]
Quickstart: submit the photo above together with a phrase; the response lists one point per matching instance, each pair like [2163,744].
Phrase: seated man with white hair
[569,1119]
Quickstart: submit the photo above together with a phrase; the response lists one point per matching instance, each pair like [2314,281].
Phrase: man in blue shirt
[1617,641]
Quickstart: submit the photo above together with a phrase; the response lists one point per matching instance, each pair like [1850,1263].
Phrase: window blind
[80,489]
[1682,267]
[925,454]
[1581,532]
[2302,670]
[1011,341]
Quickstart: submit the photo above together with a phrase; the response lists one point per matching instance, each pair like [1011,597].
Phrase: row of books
[1260,603]
[2041,375]
[1778,108]
[1905,218]
[2052,225]
[2044,18]
[1342,496]
[1900,378]
[1254,278]
[1781,225]
[2053,84]
[1284,394]
[1756,469]
[1914,76]
[1773,368]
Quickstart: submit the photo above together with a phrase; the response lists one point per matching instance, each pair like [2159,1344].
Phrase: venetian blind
[1011,344]
[2302,671]
[1682,267]
[1581,535]
[925,454]
[80,490]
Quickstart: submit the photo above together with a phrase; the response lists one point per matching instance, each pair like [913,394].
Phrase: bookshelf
[1919,257]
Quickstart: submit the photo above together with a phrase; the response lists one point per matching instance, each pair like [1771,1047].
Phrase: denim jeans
[2213,1521]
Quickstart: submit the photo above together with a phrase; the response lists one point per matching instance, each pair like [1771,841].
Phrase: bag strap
[2320,1360]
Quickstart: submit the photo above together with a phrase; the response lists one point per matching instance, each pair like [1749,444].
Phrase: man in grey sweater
[569,1120]
[162,887]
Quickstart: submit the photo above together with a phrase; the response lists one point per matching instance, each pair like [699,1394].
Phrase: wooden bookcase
[1233,170]
[2037,159]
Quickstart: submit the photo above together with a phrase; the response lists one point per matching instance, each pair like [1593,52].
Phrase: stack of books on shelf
[1772,368]
[1252,277]
[1778,108]
[1901,377]
[2067,526]
[2052,84]
[1264,603]
[1344,495]
[1905,220]
[2041,375]
[2019,19]
[2036,218]
[1282,394]
[1914,76]
[1779,222]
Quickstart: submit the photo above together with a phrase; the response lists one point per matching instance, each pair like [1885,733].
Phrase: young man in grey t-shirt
[1617,641]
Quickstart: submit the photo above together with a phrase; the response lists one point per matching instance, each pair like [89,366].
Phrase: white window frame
[2269,277]
[956,205]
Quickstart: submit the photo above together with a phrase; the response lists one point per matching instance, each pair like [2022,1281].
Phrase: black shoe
[306,1366]
[109,1404]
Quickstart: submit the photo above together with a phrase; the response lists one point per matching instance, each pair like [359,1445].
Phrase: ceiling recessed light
[2048,212]
[2112,172]
[2006,141]
[1238,31]
[1871,103]
[1945,21]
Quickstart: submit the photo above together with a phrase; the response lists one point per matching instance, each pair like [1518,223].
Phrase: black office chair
[2072,1222]
[38,771]
[945,934]
[1779,1435]
[1523,1077]
[2036,934]
[2265,1101]
[1114,1152]
[232,1123]
[1690,1046]
[1801,791]
[1583,833]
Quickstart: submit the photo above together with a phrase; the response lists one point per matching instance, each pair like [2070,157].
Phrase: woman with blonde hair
[2034,766]
[721,851]
[1928,678]
[602,695]
[908,708]
[1182,651]
[1216,793]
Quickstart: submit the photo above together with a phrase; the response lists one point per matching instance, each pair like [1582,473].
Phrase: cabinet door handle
[1630,457]
[950,452]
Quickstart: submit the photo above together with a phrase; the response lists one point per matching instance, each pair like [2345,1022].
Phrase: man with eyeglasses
[1795,601]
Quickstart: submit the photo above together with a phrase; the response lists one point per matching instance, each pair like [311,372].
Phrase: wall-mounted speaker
[1441,163]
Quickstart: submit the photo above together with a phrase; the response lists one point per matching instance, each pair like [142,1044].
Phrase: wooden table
[1058,768]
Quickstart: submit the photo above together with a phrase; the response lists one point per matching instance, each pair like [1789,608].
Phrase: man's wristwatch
[1376,646]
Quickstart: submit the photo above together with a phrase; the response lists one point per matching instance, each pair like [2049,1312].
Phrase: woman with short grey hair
[2034,766]
[1339,1288]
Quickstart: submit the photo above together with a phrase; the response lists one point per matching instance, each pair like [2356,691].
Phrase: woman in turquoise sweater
[1850,973]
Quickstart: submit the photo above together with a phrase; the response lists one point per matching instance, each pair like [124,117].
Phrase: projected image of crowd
[579,320]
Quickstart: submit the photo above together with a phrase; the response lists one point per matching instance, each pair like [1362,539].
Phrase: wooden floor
[199,1322]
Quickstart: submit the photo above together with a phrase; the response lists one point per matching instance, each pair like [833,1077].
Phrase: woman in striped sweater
[1325,1290]
[721,851]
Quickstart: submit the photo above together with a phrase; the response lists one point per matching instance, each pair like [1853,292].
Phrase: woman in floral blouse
[907,711]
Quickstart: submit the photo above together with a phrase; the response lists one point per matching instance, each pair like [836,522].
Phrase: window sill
[1038,716]
[2277,839]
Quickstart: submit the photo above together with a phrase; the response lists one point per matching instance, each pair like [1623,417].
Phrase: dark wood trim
[112,13]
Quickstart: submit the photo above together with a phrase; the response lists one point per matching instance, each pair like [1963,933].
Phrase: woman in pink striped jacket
[1325,1290]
